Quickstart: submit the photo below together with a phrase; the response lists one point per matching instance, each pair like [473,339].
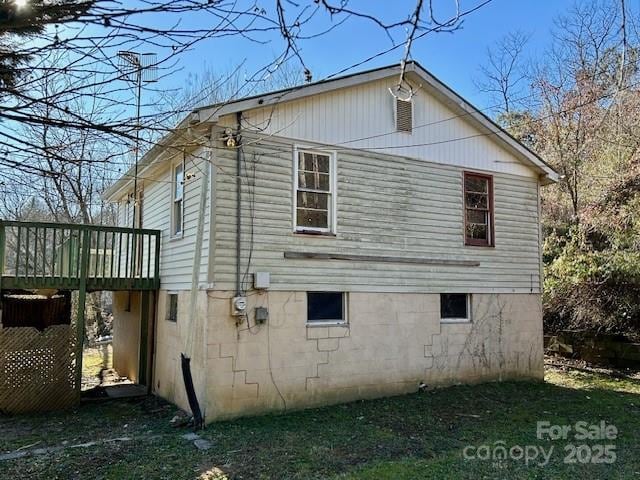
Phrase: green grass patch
[414,436]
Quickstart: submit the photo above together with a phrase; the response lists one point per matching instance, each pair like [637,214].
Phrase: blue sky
[453,57]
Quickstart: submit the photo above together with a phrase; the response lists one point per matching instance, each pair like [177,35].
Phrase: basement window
[455,307]
[314,191]
[404,115]
[478,210]
[326,307]
[172,307]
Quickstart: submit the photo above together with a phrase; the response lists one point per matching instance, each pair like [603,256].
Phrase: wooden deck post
[82,296]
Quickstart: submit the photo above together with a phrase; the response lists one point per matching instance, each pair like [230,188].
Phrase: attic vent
[404,115]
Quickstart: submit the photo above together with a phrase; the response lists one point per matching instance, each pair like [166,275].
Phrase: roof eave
[211,115]
[213,112]
[115,191]
[486,123]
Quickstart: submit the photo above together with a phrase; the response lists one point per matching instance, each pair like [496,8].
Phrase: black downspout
[185,363]
[238,200]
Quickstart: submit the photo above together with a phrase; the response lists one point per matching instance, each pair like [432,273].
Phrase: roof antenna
[137,68]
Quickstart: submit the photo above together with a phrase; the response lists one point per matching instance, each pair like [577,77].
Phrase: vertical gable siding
[367,112]
[386,205]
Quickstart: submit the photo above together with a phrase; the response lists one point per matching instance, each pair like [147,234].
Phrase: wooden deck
[38,255]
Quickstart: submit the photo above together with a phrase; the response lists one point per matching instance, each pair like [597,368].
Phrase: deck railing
[56,255]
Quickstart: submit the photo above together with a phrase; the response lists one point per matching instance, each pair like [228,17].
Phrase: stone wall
[391,344]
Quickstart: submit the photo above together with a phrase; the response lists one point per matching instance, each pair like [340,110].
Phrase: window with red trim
[478,209]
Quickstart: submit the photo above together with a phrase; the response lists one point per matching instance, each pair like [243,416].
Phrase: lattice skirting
[37,369]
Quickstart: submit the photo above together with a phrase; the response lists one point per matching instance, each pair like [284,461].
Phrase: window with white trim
[455,307]
[314,193]
[177,213]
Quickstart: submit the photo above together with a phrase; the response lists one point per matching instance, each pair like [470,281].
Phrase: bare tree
[74,166]
[210,87]
[573,105]
[577,93]
[67,116]
[86,36]
[504,76]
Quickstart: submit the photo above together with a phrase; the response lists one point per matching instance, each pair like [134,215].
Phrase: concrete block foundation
[391,343]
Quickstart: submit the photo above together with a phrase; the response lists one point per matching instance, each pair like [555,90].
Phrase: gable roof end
[413,70]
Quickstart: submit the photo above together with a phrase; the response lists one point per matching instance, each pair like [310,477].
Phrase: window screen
[325,307]
[454,306]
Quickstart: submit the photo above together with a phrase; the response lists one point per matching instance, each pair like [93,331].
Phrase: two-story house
[340,240]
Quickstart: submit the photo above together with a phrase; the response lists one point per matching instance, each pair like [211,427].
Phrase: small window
[177,213]
[326,307]
[314,200]
[172,307]
[404,115]
[478,206]
[455,307]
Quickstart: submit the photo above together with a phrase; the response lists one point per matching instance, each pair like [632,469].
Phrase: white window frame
[325,323]
[458,320]
[174,168]
[333,193]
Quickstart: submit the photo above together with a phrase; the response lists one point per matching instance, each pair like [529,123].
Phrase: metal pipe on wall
[238,200]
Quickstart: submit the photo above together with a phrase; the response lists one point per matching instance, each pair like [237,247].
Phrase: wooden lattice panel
[37,369]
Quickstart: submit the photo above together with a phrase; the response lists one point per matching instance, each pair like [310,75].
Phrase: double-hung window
[478,209]
[177,214]
[314,191]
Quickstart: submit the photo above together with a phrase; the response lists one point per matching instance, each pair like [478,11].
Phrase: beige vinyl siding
[386,205]
[177,254]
